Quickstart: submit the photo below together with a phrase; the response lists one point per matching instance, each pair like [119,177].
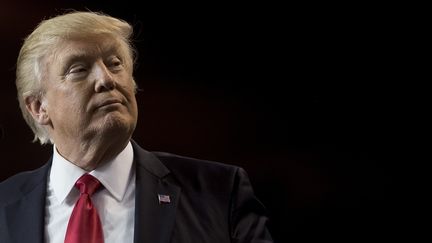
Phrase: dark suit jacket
[210,202]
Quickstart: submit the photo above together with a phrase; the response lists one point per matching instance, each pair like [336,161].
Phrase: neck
[88,155]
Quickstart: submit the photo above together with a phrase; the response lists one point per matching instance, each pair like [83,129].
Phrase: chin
[117,125]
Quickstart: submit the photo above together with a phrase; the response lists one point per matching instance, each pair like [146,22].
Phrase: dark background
[305,97]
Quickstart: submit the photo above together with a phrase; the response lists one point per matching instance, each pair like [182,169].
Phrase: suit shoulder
[193,171]
[15,186]
[175,162]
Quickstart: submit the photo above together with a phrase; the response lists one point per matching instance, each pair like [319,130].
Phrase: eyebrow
[68,60]
[80,55]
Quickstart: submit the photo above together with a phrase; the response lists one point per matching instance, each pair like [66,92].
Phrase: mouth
[109,102]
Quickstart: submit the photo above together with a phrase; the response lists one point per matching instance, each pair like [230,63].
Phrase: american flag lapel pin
[164,199]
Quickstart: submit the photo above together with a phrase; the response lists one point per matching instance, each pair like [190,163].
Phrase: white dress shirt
[115,202]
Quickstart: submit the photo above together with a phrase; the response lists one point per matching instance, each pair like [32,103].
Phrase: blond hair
[43,39]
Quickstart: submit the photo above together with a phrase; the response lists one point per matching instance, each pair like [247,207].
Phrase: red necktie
[84,224]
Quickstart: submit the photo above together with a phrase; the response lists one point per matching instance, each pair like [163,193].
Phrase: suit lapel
[154,220]
[25,217]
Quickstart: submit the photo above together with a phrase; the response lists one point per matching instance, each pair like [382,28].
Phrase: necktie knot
[87,184]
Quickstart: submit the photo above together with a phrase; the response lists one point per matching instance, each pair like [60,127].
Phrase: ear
[37,108]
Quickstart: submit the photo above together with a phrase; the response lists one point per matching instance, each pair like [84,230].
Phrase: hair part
[40,43]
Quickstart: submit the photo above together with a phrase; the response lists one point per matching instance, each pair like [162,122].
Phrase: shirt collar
[114,175]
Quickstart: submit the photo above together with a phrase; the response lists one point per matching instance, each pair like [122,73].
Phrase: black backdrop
[301,96]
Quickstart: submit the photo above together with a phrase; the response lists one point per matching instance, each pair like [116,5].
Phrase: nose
[104,81]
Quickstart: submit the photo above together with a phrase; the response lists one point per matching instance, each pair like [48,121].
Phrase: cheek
[127,88]
[68,103]
[79,102]
[134,106]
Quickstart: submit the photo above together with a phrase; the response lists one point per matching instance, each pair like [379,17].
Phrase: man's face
[89,89]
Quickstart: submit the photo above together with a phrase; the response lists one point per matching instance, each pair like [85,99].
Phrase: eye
[115,64]
[76,69]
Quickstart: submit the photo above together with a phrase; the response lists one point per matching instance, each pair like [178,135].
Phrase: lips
[108,102]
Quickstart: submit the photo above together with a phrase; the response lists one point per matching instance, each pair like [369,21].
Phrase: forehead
[88,47]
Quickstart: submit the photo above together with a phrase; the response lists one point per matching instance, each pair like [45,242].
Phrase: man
[76,91]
